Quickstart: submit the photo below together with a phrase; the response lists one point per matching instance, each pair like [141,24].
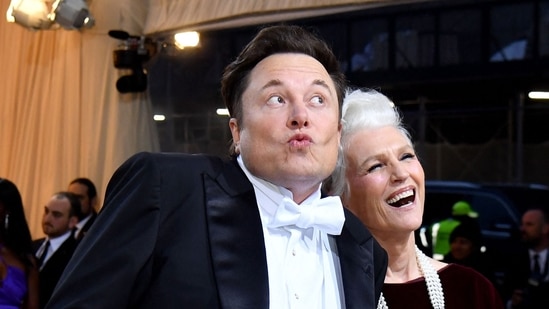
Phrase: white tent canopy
[201,15]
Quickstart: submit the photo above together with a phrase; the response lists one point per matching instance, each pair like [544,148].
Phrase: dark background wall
[459,70]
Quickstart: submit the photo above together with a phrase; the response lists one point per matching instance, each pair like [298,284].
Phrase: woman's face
[461,248]
[386,180]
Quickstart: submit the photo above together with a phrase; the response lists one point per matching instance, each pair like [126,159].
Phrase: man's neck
[61,237]
[299,193]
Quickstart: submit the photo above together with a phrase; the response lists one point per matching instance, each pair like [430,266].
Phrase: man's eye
[317,100]
[276,100]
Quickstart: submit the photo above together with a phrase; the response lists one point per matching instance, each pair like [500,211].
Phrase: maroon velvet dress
[464,288]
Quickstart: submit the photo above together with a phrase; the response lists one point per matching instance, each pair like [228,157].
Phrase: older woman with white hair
[381,180]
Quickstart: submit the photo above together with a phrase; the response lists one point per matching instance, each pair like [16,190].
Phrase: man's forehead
[58,203]
[78,188]
[291,61]
[289,70]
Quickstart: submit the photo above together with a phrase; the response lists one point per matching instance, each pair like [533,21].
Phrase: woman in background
[18,270]
[465,249]
[382,181]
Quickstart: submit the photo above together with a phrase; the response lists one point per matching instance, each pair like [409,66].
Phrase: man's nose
[299,116]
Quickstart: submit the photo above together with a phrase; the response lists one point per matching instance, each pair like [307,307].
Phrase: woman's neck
[402,259]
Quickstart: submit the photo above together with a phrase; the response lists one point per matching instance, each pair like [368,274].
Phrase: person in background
[382,181]
[18,269]
[195,231]
[53,252]
[462,212]
[466,249]
[85,189]
[528,280]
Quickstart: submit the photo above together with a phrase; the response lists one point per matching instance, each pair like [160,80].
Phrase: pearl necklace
[434,287]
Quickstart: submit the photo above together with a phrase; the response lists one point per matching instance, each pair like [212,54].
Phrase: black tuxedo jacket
[86,226]
[519,276]
[54,266]
[183,231]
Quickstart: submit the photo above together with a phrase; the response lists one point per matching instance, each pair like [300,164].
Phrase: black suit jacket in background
[54,266]
[184,231]
[86,226]
[518,276]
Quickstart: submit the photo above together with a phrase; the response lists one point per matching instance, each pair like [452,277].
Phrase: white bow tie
[326,214]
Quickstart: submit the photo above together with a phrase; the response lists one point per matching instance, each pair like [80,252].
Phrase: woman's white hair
[362,110]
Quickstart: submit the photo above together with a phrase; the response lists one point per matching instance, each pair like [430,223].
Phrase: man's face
[56,220]
[532,227]
[82,192]
[290,127]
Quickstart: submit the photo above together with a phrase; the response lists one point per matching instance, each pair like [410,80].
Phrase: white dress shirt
[55,243]
[304,272]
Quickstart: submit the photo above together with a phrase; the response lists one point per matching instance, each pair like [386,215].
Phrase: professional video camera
[131,54]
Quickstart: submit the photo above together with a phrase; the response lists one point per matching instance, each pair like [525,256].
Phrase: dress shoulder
[463,287]
[468,287]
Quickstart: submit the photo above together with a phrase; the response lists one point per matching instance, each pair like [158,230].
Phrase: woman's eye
[408,156]
[374,167]
[275,100]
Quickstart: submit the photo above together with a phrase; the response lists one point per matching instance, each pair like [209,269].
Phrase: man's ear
[235,133]
[235,129]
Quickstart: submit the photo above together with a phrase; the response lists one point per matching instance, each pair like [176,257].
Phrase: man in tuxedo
[85,190]
[194,231]
[55,250]
[529,273]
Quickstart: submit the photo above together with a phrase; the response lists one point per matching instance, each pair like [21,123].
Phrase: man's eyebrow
[277,82]
[271,83]
[323,83]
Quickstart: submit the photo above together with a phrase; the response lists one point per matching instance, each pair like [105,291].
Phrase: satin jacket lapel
[356,253]
[237,243]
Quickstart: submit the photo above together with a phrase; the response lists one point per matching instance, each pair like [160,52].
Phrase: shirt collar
[56,242]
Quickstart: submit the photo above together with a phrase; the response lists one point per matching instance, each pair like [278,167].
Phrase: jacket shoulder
[175,161]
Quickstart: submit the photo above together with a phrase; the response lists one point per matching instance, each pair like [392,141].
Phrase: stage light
[72,14]
[38,15]
[539,95]
[31,14]
[186,39]
[222,112]
[159,117]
